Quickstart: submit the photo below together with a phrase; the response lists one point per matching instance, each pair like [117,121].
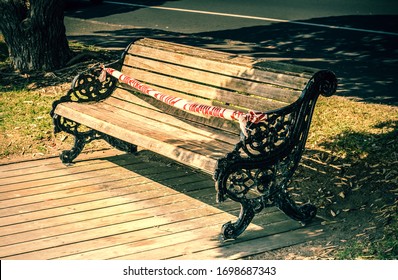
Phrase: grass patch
[24,122]
[352,129]
[26,101]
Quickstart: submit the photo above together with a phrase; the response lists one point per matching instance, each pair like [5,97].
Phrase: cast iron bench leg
[83,138]
[304,213]
[233,230]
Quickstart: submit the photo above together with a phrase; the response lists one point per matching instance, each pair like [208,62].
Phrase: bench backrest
[213,78]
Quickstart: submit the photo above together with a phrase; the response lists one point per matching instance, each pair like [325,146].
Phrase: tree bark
[34,32]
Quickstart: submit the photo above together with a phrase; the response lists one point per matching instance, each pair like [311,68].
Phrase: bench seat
[197,145]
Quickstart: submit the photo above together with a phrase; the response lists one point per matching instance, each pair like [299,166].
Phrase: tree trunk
[34,32]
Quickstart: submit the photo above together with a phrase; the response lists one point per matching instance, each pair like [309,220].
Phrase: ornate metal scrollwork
[265,137]
[86,87]
[83,136]
[258,171]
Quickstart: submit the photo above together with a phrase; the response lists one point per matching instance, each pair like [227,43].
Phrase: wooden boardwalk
[111,205]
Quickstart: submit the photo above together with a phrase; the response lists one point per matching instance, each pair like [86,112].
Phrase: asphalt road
[356,39]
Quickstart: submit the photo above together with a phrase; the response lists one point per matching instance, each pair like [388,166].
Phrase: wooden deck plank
[201,236]
[94,191]
[114,189]
[35,223]
[261,244]
[94,246]
[58,214]
[91,220]
[61,192]
[53,174]
[53,164]
[92,249]
[188,244]
[109,229]
[131,189]
[52,184]
[136,208]
[7,166]
[23,179]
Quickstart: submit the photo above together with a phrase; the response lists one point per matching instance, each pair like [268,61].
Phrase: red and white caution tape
[234,115]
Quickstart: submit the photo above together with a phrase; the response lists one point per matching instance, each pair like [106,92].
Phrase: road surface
[356,39]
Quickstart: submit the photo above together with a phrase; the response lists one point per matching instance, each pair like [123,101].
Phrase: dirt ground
[356,206]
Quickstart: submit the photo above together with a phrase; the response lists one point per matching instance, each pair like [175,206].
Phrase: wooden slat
[53,163]
[25,189]
[185,149]
[81,191]
[231,127]
[54,174]
[194,78]
[159,116]
[6,167]
[14,184]
[91,220]
[281,74]
[197,245]
[196,235]
[166,128]
[136,189]
[79,236]
[106,247]
[262,244]
[57,194]
[149,128]
[142,191]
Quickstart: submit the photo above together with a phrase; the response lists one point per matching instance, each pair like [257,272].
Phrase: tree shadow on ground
[367,170]
[365,63]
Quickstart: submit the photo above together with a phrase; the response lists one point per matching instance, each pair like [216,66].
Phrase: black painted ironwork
[257,173]
[86,87]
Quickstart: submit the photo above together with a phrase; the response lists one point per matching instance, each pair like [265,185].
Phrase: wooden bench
[255,169]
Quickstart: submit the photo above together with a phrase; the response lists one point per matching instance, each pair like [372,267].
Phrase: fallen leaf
[341,194]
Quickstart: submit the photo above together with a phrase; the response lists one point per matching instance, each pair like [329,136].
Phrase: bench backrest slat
[212,78]
[224,63]
[216,80]
[189,89]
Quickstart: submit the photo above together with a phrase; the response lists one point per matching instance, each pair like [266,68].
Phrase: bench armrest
[271,151]
[85,87]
